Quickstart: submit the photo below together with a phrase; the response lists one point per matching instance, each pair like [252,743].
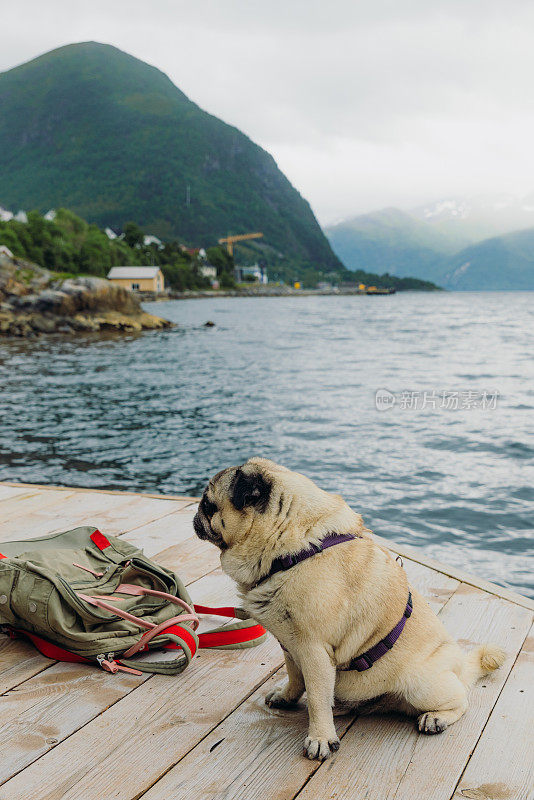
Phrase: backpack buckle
[107,664]
[110,665]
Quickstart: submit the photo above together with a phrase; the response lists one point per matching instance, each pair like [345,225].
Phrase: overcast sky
[363,103]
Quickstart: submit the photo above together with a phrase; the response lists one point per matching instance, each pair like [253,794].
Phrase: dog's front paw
[277,699]
[431,723]
[320,749]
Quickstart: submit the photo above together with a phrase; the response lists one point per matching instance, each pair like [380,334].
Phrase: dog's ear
[250,491]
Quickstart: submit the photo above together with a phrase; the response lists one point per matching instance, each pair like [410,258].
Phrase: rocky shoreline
[34,302]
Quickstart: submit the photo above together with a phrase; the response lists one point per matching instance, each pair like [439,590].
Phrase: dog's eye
[208,507]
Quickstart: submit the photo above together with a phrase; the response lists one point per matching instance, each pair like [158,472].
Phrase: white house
[208,271]
[149,239]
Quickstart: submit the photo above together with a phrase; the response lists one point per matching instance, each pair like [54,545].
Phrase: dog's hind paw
[277,699]
[430,722]
[320,749]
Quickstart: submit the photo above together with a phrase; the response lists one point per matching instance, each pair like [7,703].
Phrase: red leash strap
[225,611]
[248,631]
[236,636]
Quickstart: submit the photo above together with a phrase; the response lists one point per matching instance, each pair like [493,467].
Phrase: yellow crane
[229,241]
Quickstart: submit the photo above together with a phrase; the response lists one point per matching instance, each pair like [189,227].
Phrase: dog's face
[231,499]
[255,500]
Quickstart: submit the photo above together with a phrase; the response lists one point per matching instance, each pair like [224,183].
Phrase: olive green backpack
[84,597]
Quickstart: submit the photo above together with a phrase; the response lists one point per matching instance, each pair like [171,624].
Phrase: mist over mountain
[93,129]
[389,240]
[454,242]
[470,219]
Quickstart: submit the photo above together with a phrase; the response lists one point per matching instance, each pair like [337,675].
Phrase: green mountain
[95,130]
[391,241]
[503,262]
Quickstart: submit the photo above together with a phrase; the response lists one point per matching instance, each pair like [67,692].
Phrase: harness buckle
[367,660]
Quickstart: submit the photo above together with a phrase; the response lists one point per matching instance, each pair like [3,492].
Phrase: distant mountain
[470,219]
[95,130]
[391,241]
[433,245]
[503,262]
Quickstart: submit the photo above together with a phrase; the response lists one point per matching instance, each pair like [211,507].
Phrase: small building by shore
[257,273]
[138,279]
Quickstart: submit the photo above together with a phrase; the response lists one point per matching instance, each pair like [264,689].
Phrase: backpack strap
[181,637]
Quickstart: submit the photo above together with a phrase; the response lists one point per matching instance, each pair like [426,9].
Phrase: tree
[133,235]
[227,280]
[221,259]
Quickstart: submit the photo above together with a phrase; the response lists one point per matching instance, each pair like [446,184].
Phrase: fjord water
[294,379]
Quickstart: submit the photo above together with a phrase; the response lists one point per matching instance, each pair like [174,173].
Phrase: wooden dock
[72,732]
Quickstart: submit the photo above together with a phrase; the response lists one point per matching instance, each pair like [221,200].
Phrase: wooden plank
[27,504]
[163,533]
[19,661]
[384,757]
[38,486]
[415,554]
[473,618]
[121,492]
[111,512]
[68,514]
[256,752]
[435,587]
[46,709]
[132,512]
[7,491]
[199,558]
[502,765]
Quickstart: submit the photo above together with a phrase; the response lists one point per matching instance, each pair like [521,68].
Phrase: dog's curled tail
[481,661]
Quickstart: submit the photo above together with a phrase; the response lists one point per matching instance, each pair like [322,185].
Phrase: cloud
[361,103]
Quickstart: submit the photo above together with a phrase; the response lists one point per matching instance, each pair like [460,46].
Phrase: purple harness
[367,659]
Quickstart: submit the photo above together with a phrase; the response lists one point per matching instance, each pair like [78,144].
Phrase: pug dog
[330,607]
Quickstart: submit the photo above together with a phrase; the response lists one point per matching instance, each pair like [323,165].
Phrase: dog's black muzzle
[202,524]
[199,527]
